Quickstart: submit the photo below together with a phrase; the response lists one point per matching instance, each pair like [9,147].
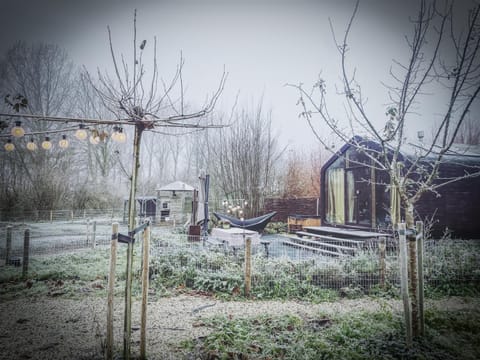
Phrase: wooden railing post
[145,274]
[111,290]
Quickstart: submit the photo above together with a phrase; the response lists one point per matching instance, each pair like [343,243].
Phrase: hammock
[255,224]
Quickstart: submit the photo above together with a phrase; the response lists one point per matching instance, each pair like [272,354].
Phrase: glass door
[358,196]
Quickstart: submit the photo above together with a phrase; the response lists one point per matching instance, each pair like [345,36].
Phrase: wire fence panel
[278,268]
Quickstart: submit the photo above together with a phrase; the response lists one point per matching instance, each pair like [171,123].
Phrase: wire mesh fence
[278,268]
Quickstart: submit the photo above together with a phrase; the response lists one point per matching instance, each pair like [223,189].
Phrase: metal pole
[26,249]
[8,245]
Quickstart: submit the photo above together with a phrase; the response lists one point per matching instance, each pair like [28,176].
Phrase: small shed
[354,194]
[175,201]
[146,207]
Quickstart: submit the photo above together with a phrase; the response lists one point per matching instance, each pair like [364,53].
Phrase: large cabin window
[335,192]
[336,196]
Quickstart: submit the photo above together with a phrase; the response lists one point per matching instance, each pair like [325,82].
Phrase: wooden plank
[320,243]
[331,238]
[344,232]
[291,243]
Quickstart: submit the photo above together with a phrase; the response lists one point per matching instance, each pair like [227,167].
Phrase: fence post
[88,231]
[111,290]
[381,249]
[145,274]
[71,216]
[420,288]
[404,281]
[26,249]
[51,215]
[9,244]
[94,241]
[248,266]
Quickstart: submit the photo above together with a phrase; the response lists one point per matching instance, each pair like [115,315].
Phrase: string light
[9,145]
[64,142]
[17,130]
[31,145]
[81,133]
[47,144]
[94,139]
[119,136]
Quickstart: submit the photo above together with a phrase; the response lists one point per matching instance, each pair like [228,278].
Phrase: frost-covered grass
[362,335]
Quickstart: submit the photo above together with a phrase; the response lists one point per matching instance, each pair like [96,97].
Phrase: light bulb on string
[17,130]
[94,139]
[47,144]
[64,142]
[9,146]
[118,135]
[31,145]
[81,133]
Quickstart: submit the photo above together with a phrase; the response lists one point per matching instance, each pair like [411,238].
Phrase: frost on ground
[56,328]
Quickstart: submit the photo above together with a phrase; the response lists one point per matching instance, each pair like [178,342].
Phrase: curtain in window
[336,196]
[350,197]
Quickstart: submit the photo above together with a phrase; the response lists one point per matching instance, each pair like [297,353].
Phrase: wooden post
[382,264]
[94,231]
[412,271]
[9,244]
[111,290]
[51,215]
[404,282]
[26,249]
[88,231]
[127,324]
[248,266]
[145,273]
[420,288]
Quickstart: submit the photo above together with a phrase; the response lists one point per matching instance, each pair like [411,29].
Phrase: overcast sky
[262,44]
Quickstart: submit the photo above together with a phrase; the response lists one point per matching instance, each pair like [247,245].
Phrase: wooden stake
[404,282]
[94,240]
[111,291]
[248,266]
[382,264]
[145,273]
[420,288]
[26,250]
[127,324]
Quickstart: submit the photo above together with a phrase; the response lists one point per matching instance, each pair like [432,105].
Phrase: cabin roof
[458,153]
[176,186]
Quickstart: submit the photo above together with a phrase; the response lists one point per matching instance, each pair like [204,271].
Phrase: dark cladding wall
[286,207]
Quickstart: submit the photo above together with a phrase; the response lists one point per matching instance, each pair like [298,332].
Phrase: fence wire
[177,259]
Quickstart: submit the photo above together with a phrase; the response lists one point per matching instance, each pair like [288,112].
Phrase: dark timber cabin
[357,196]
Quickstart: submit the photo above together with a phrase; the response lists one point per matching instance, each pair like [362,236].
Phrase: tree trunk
[412,268]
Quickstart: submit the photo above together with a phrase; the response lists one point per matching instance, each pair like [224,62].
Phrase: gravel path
[56,328]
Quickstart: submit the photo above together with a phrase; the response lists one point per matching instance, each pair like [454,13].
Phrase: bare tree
[147,104]
[302,174]
[244,156]
[45,76]
[443,58]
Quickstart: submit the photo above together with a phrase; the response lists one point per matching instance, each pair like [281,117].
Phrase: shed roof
[176,186]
